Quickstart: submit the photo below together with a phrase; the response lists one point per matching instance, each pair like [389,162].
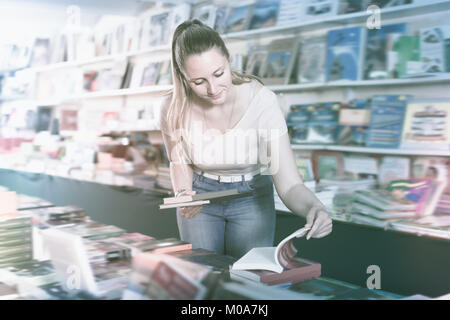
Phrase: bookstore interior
[87,208]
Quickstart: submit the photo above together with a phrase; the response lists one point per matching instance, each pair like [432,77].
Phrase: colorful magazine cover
[427,125]
[264,14]
[344,53]
[386,120]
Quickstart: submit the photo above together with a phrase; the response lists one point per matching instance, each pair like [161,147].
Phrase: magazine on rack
[274,259]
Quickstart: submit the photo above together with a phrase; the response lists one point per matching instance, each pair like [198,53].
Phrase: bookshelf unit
[404,12]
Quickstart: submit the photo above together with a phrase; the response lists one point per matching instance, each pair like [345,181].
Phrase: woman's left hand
[319,221]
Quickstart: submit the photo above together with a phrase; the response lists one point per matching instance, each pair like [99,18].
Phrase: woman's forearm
[299,199]
[181,176]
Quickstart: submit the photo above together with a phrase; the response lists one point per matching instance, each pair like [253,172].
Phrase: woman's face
[209,75]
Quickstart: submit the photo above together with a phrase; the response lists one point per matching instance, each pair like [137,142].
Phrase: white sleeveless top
[242,149]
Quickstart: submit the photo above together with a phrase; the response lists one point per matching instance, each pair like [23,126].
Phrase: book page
[285,250]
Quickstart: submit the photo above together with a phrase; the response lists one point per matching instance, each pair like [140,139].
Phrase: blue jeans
[232,227]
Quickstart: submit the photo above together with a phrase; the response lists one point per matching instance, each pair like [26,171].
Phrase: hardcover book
[280,61]
[427,125]
[386,120]
[276,259]
[220,22]
[344,54]
[238,18]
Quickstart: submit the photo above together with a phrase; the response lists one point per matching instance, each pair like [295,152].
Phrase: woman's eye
[198,83]
[219,75]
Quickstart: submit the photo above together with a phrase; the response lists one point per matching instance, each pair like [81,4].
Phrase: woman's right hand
[191,211]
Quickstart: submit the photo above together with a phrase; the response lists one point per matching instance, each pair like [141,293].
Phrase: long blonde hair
[192,37]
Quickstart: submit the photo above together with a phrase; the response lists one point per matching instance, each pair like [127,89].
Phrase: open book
[274,259]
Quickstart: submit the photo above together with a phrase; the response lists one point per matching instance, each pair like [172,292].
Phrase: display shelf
[387,13]
[438,78]
[106,58]
[403,152]
[358,17]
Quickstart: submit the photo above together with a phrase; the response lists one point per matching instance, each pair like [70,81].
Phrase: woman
[224,130]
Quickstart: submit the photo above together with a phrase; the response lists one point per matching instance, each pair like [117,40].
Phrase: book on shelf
[276,259]
[157,28]
[387,114]
[421,227]
[432,48]
[366,212]
[406,54]
[165,73]
[311,60]
[256,60]
[353,123]
[345,48]
[280,60]
[264,14]
[382,200]
[328,164]
[290,12]
[394,168]
[41,52]
[427,125]
[320,9]
[238,18]
[376,50]
[206,14]
[443,205]
[220,21]
[150,74]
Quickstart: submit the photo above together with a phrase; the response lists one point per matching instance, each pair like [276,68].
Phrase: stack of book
[27,202]
[25,275]
[58,216]
[275,265]
[379,207]
[443,205]
[94,230]
[435,226]
[16,240]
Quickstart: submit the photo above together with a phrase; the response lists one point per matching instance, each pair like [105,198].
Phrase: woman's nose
[212,88]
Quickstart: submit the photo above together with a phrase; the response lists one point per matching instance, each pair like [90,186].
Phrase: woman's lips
[215,96]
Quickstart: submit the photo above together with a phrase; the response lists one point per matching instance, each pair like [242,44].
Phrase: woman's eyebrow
[193,79]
